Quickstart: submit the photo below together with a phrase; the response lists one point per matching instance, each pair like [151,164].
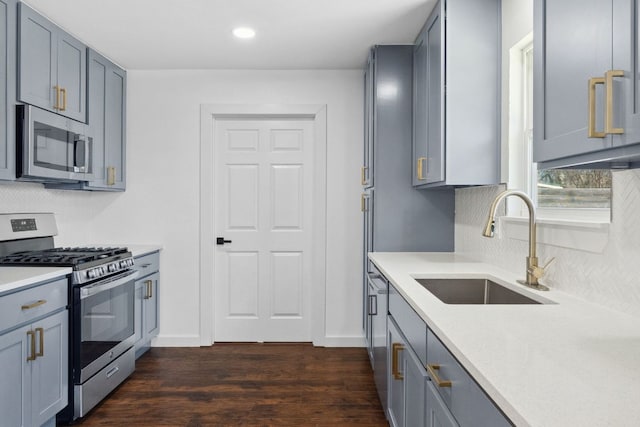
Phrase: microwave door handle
[80,140]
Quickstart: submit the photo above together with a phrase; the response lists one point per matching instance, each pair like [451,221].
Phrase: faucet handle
[538,272]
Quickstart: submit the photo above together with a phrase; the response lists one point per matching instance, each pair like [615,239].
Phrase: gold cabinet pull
[434,376]
[34,304]
[608,119]
[40,352]
[149,289]
[32,340]
[63,91]
[56,106]
[363,202]
[396,348]
[592,132]
[363,175]
[419,168]
[111,175]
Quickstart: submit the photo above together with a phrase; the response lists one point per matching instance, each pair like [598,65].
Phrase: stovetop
[71,257]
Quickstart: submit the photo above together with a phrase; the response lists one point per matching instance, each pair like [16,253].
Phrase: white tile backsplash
[610,278]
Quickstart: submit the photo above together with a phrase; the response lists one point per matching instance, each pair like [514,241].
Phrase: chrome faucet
[534,272]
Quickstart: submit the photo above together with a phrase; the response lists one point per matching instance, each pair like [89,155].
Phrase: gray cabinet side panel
[96,84]
[473,36]
[403,219]
[7,88]
[114,133]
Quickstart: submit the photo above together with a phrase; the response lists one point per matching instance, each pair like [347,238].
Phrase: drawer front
[412,326]
[24,306]
[147,264]
[465,399]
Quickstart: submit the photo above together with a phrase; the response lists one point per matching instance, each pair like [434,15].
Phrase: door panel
[435,82]
[263,205]
[72,61]
[15,405]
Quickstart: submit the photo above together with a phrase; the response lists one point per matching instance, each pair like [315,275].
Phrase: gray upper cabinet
[366,173]
[586,82]
[7,88]
[51,66]
[107,95]
[456,121]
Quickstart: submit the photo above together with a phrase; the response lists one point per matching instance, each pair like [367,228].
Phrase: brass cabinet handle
[419,168]
[608,119]
[32,336]
[40,352]
[111,175]
[34,305]
[363,175]
[592,132]
[363,202]
[63,91]
[373,305]
[149,289]
[396,348]
[434,376]
[56,106]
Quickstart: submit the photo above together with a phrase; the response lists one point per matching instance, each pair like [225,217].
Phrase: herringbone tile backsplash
[610,278]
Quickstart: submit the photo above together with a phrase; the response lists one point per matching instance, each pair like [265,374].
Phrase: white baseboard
[176,341]
[341,341]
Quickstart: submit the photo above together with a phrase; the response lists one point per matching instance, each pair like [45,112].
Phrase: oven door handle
[87,291]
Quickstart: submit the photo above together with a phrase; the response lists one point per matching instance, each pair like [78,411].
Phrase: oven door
[53,148]
[103,324]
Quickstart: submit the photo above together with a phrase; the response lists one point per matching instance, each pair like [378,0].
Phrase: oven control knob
[111,268]
[91,274]
[123,264]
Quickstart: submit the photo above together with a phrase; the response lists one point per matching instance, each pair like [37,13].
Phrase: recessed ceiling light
[244,32]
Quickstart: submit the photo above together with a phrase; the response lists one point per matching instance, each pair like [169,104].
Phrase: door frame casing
[209,113]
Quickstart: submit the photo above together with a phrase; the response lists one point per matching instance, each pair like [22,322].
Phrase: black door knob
[221,241]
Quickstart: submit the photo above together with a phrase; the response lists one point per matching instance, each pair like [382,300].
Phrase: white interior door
[264,206]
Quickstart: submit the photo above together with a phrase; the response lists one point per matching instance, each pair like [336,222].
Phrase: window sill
[583,235]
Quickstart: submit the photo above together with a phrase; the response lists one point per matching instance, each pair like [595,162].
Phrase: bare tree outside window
[574,188]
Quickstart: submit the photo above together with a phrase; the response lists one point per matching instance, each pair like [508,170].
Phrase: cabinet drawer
[465,399]
[147,264]
[26,305]
[411,325]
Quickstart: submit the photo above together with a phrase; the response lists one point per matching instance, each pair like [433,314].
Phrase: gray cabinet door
[420,99]
[566,58]
[50,370]
[107,97]
[434,164]
[15,387]
[396,348]
[138,310]
[151,307]
[52,66]
[438,415]
[7,88]
[415,378]
[369,114]
[72,74]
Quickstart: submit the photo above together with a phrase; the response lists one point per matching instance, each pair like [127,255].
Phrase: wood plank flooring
[245,384]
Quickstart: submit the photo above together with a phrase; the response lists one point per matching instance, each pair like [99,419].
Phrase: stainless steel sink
[473,291]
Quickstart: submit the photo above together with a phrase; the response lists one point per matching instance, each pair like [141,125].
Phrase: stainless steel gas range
[101,305]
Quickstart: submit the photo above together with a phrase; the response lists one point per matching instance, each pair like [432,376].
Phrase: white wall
[161,204]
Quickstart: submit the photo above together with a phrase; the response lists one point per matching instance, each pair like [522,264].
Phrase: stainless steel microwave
[51,148]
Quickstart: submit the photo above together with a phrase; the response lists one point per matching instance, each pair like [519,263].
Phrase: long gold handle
[63,91]
[592,133]
[434,376]
[363,202]
[32,340]
[111,175]
[34,305]
[608,119]
[40,352]
[149,289]
[363,175]
[56,106]
[420,169]
[396,348]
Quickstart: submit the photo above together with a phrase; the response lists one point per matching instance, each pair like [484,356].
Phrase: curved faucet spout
[532,259]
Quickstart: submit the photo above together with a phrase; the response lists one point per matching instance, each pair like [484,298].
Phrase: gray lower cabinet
[438,415]
[146,301]
[7,88]
[52,66]
[456,102]
[586,83]
[34,354]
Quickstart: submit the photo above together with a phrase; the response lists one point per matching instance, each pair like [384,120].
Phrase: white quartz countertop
[12,278]
[569,363]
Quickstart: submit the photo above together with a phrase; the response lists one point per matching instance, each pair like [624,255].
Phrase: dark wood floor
[245,384]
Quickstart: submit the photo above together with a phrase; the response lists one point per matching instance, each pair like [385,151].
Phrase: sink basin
[473,291]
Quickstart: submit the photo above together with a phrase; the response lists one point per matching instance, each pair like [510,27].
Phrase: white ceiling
[196,34]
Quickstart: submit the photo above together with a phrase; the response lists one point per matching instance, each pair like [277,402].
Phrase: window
[573,194]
